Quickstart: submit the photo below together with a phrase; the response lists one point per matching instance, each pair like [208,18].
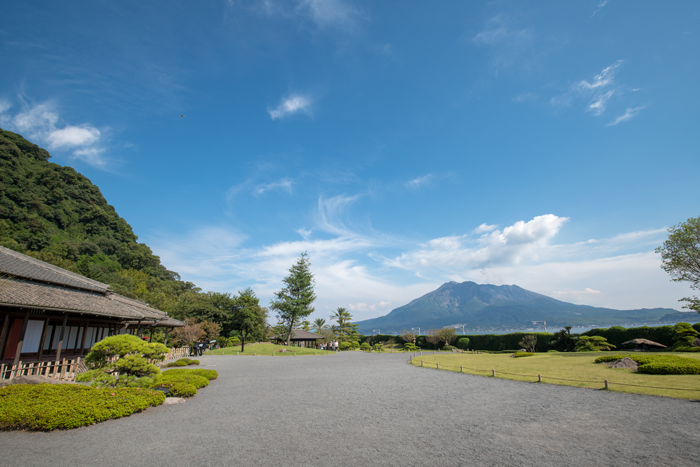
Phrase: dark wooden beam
[42,340]
[60,337]
[82,341]
[166,336]
[3,336]
[21,337]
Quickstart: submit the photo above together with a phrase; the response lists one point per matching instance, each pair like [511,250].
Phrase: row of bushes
[616,335]
[46,407]
[659,364]
[184,382]
[182,362]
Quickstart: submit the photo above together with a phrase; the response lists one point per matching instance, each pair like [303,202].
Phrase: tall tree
[680,256]
[343,318]
[319,324]
[294,301]
[249,317]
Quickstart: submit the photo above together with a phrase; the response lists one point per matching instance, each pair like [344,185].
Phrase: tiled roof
[36,284]
[19,265]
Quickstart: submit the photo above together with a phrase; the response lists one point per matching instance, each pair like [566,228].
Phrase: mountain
[485,306]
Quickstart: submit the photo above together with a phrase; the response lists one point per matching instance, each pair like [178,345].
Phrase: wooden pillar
[167,330]
[151,339]
[21,337]
[60,337]
[43,339]
[82,341]
[140,333]
[3,336]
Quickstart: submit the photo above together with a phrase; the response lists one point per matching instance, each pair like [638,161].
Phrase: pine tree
[293,302]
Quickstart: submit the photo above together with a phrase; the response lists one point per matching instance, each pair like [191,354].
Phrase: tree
[685,336]
[344,327]
[249,317]
[189,333]
[305,325]
[434,337]
[563,340]
[409,337]
[592,344]
[529,342]
[294,301]
[680,256]
[320,323]
[463,343]
[447,335]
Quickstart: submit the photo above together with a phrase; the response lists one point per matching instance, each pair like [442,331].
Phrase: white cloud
[603,79]
[418,181]
[597,105]
[284,184]
[577,295]
[73,136]
[4,106]
[526,96]
[291,105]
[628,115]
[41,122]
[330,13]
[499,32]
[485,228]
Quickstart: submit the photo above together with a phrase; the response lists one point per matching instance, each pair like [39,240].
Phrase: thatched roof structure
[644,344]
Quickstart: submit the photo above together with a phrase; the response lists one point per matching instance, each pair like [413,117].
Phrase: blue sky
[402,144]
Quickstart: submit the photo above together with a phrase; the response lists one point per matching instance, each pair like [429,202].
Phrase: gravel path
[375,409]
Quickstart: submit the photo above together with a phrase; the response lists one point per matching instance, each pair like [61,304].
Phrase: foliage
[529,342]
[319,324]
[378,347]
[248,316]
[523,354]
[46,407]
[365,347]
[434,337]
[463,343]
[592,344]
[166,380]
[449,347]
[685,335]
[616,335]
[409,347]
[182,390]
[680,256]
[496,342]
[345,346]
[132,364]
[293,302]
[344,329]
[409,337]
[563,340]
[354,345]
[182,362]
[208,374]
[659,364]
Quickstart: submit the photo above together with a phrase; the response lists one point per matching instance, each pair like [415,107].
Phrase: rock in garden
[625,363]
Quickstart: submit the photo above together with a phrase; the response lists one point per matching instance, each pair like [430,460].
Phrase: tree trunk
[243,343]
[289,335]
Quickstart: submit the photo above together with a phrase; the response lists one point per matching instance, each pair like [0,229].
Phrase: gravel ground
[375,409]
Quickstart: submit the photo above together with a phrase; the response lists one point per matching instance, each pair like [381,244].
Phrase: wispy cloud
[600,7]
[330,13]
[284,184]
[508,42]
[42,122]
[291,105]
[485,228]
[526,96]
[420,181]
[628,115]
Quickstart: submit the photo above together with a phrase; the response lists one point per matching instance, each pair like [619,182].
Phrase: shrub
[182,362]
[208,374]
[45,407]
[192,362]
[182,390]
[167,381]
[365,347]
[529,342]
[463,343]
[449,347]
[378,348]
[345,346]
[687,349]
[592,344]
[523,354]
[355,345]
[659,364]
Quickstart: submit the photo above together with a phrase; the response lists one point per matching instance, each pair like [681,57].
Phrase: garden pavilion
[301,338]
[47,312]
[644,344]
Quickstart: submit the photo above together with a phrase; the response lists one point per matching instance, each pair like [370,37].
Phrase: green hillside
[55,214]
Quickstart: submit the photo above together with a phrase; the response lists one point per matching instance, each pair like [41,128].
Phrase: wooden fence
[64,370]
[67,370]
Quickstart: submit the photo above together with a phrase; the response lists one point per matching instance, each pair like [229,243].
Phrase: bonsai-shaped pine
[592,344]
[529,342]
[563,340]
[122,361]
[685,336]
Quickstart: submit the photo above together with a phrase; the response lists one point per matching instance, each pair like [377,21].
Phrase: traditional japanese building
[47,312]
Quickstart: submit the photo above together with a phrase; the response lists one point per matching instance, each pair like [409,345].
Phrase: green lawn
[571,369]
[267,349]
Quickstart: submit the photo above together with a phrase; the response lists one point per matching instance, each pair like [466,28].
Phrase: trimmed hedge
[449,347]
[616,335]
[208,374]
[523,354]
[195,380]
[182,362]
[498,342]
[659,364]
[46,407]
[182,390]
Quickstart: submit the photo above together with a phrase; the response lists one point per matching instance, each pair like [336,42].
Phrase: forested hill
[55,214]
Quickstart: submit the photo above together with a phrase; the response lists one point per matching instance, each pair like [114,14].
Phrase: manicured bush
[192,362]
[195,380]
[378,348]
[687,349]
[182,390]
[365,346]
[46,407]
[463,343]
[616,335]
[449,347]
[208,374]
[592,344]
[659,364]
[182,362]
[355,345]
[523,354]
[345,346]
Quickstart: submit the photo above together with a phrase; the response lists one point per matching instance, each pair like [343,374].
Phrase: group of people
[332,345]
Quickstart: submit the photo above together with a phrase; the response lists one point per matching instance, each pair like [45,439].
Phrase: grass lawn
[578,367]
[267,349]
